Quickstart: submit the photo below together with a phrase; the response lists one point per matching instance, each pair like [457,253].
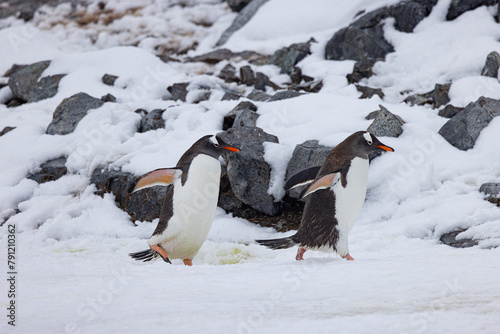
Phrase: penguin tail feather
[147,255]
[282,243]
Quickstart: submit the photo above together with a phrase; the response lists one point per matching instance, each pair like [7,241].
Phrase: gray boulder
[247,76]
[386,124]
[230,118]
[245,117]
[458,7]
[362,69]
[463,129]
[258,96]
[492,192]
[109,79]
[248,172]
[368,92]
[491,66]
[144,205]
[6,130]
[216,56]
[70,112]
[178,91]
[436,97]
[283,95]
[152,121]
[449,111]
[305,155]
[26,87]
[243,17]
[50,170]
[287,57]
[450,239]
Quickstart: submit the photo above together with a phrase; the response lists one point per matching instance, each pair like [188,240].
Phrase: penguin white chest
[349,200]
[194,204]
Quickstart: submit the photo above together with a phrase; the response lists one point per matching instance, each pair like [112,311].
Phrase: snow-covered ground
[74,274]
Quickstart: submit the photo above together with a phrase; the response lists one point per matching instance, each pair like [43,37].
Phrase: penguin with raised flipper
[190,202]
[334,196]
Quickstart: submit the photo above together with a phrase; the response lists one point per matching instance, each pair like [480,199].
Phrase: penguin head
[213,146]
[364,143]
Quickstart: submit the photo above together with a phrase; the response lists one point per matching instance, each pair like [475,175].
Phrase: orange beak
[230,148]
[386,148]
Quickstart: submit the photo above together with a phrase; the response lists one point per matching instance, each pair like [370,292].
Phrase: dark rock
[309,86]
[144,205]
[231,116]
[286,58]
[228,74]
[108,98]
[462,130]
[363,39]
[247,76]
[368,92]
[386,124]
[14,68]
[152,121]
[246,117]
[243,17]
[286,94]
[306,155]
[26,87]
[449,111]
[216,56]
[14,103]
[437,97]
[296,75]
[450,239]
[492,64]
[262,81]
[258,96]
[199,95]
[6,130]
[71,111]
[409,13]
[237,5]
[248,172]
[109,79]
[362,69]
[50,170]
[178,91]
[440,95]
[492,192]
[228,96]
[458,7]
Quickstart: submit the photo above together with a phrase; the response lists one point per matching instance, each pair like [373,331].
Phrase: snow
[74,272]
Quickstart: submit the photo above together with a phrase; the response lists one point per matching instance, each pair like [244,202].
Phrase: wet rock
[492,192]
[70,112]
[237,5]
[247,76]
[228,96]
[109,79]
[449,111]
[228,74]
[108,98]
[305,155]
[458,7]
[368,92]
[409,13]
[258,96]
[231,116]
[463,129]
[386,124]
[286,58]
[243,17]
[362,69]
[152,121]
[286,94]
[6,130]
[26,87]
[248,172]
[50,171]
[492,64]
[178,91]
[144,205]
[450,239]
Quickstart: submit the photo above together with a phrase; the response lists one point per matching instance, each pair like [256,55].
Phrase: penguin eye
[216,145]
[369,142]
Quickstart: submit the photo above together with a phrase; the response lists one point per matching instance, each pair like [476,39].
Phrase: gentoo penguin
[190,201]
[334,197]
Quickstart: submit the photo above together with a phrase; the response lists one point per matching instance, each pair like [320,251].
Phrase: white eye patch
[214,140]
[368,138]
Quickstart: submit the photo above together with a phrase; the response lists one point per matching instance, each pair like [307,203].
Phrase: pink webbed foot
[348,257]
[300,254]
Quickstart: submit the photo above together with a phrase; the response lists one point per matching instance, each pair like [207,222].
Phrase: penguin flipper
[281,243]
[158,177]
[302,178]
[324,182]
